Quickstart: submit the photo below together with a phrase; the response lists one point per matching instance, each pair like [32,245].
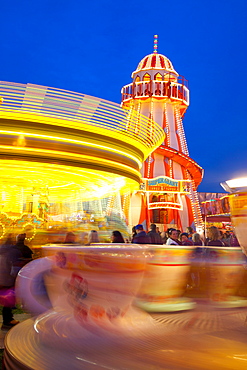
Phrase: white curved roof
[155,61]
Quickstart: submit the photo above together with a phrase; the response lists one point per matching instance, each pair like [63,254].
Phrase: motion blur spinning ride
[168,196]
[61,150]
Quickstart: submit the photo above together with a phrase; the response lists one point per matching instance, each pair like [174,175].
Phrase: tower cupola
[155,77]
[154,64]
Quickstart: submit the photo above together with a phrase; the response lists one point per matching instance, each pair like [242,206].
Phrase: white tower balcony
[173,90]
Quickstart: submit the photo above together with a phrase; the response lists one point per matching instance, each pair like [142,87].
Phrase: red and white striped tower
[158,92]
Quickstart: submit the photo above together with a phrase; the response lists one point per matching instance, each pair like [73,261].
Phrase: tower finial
[155,44]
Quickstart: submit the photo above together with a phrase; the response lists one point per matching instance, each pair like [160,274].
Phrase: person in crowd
[196,238]
[190,232]
[234,241]
[226,239]
[70,238]
[141,237]
[12,259]
[133,233]
[84,238]
[178,237]
[117,237]
[184,238]
[213,238]
[9,241]
[154,236]
[27,253]
[227,234]
[222,238]
[158,230]
[172,237]
[164,236]
[93,237]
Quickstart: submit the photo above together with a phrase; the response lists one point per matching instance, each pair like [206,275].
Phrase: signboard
[159,205]
[164,183]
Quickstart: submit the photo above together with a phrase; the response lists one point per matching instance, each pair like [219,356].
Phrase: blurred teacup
[238,208]
[224,274]
[165,280]
[94,286]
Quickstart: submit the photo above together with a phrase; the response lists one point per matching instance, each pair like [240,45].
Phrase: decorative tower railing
[165,89]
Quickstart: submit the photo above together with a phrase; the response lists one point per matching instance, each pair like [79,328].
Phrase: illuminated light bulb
[155,43]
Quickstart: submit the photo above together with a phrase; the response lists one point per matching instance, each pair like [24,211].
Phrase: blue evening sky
[93,46]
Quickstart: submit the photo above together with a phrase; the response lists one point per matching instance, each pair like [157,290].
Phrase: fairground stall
[216,210]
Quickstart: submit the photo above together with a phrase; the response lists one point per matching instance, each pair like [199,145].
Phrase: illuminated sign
[164,183]
[160,205]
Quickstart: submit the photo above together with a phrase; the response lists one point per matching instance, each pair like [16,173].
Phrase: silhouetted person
[93,237]
[197,239]
[24,249]
[154,236]
[190,232]
[133,233]
[70,238]
[117,237]
[141,237]
[234,241]
[12,259]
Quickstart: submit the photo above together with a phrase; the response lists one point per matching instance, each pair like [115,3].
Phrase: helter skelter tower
[168,195]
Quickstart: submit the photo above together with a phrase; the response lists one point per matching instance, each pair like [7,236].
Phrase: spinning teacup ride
[82,301]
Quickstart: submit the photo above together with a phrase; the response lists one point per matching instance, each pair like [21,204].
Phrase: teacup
[93,285]
[224,272]
[238,207]
[165,280]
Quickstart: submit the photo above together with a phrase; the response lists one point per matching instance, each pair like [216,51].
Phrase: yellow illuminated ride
[60,147]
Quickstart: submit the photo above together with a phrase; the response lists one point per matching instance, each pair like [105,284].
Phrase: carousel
[68,162]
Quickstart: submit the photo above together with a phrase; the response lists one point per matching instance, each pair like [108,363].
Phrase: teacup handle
[30,288]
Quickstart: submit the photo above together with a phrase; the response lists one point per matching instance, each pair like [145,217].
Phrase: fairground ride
[68,160]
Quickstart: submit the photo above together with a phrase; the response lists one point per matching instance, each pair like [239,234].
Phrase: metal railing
[167,89]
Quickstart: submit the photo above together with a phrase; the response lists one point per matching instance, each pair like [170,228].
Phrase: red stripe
[153,61]
[165,264]
[243,215]
[162,62]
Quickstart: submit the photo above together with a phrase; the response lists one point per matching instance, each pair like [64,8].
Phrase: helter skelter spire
[155,44]
[158,91]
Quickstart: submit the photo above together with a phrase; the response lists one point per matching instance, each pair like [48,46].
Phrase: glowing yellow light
[107,147]
[60,180]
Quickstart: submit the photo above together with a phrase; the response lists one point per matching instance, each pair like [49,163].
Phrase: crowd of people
[172,236]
